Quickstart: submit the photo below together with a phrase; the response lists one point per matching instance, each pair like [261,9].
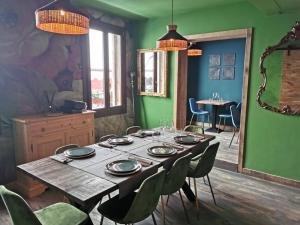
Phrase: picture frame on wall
[228,73]
[229,59]
[214,73]
[214,60]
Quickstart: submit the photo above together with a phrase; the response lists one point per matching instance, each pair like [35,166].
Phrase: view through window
[105,51]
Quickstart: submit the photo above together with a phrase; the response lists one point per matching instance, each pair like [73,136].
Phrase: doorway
[181,81]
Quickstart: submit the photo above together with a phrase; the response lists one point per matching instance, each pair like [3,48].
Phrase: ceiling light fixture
[172,41]
[194,50]
[61,17]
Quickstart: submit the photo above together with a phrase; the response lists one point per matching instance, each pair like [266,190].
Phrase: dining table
[85,181]
[216,104]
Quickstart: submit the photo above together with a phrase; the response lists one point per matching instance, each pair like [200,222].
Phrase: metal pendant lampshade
[172,41]
[194,50]
[60,17]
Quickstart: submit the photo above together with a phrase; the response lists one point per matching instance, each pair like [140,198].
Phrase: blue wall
[199,84]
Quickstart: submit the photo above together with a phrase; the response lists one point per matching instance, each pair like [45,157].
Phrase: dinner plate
[162,151]
[120,141]
[124,174]
[80,152]
[187,139]
[123,166]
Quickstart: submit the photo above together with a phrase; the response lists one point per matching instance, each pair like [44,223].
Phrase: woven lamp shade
[172,41]
[194,50]
[60,17]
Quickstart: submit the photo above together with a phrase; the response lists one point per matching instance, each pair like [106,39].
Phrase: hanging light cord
[172,11]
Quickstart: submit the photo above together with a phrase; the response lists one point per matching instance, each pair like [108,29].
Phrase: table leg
[214,113]
[188,192]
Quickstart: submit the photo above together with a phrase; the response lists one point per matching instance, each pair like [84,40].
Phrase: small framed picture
[228,73]
[229,59]
[214,60]
[214,73]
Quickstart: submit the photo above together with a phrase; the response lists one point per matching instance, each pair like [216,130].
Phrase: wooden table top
[85,181]
[212,102]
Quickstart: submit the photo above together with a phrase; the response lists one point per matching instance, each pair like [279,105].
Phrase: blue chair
[226,116]
[195,111]
[235,112]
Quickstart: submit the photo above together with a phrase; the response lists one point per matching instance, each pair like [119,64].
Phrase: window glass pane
[114,50]
[97,89]
[96,49]
[97,69]
[149,71]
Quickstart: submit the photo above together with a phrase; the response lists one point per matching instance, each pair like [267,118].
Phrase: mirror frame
[165,65]
[293,35]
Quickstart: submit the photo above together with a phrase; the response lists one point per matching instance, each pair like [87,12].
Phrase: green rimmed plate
[123,166]
[80,152]
[187,139]
[162,151]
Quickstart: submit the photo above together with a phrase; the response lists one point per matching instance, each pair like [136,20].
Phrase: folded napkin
[144,162]
[61,158]
[176,146]
[105,144]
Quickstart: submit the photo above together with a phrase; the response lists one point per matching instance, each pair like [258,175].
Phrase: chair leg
[220,118]
[167,200]
[196,194]
[163,209]
[232,137]
[192,119]
[153,218]
[211,190]
[189,181]
[224,124]
[185,211]
[101,221]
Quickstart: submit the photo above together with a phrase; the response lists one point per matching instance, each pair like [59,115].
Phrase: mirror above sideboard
[152,72]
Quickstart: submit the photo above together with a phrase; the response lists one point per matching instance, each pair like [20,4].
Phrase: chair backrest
[106,137]
[19,211]
[64,148]
[227,106]
[194,129]
[175,177]
[206,160]
[133,129]
[235,116]
[193,105]
[146,198]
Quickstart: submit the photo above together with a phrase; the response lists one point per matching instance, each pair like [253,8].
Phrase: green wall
[272,142]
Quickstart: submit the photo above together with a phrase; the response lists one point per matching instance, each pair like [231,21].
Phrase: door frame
[180,92]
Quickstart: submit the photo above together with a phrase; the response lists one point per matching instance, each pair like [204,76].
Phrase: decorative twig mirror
[282,62]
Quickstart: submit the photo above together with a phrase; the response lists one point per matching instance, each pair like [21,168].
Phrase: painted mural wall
[33,62]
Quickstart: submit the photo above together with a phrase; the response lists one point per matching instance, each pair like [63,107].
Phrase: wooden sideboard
[38,136]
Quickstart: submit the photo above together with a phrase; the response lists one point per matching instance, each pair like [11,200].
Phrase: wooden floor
[241,200]
[227,158]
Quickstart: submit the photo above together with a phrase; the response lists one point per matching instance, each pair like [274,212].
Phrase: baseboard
[226,165]
[273,178]
[206,125]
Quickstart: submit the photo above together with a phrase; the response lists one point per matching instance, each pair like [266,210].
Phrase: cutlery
[142,161]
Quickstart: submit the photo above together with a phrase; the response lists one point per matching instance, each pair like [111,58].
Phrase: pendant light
[172,41]
[61,17]
[194,50]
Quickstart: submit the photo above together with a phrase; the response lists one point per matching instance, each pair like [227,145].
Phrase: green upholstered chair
[56,214]
[201,165]
[136,206]
[133,129]
[194,129]
[175,179]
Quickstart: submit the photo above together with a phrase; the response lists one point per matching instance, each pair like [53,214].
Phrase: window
[106,82]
